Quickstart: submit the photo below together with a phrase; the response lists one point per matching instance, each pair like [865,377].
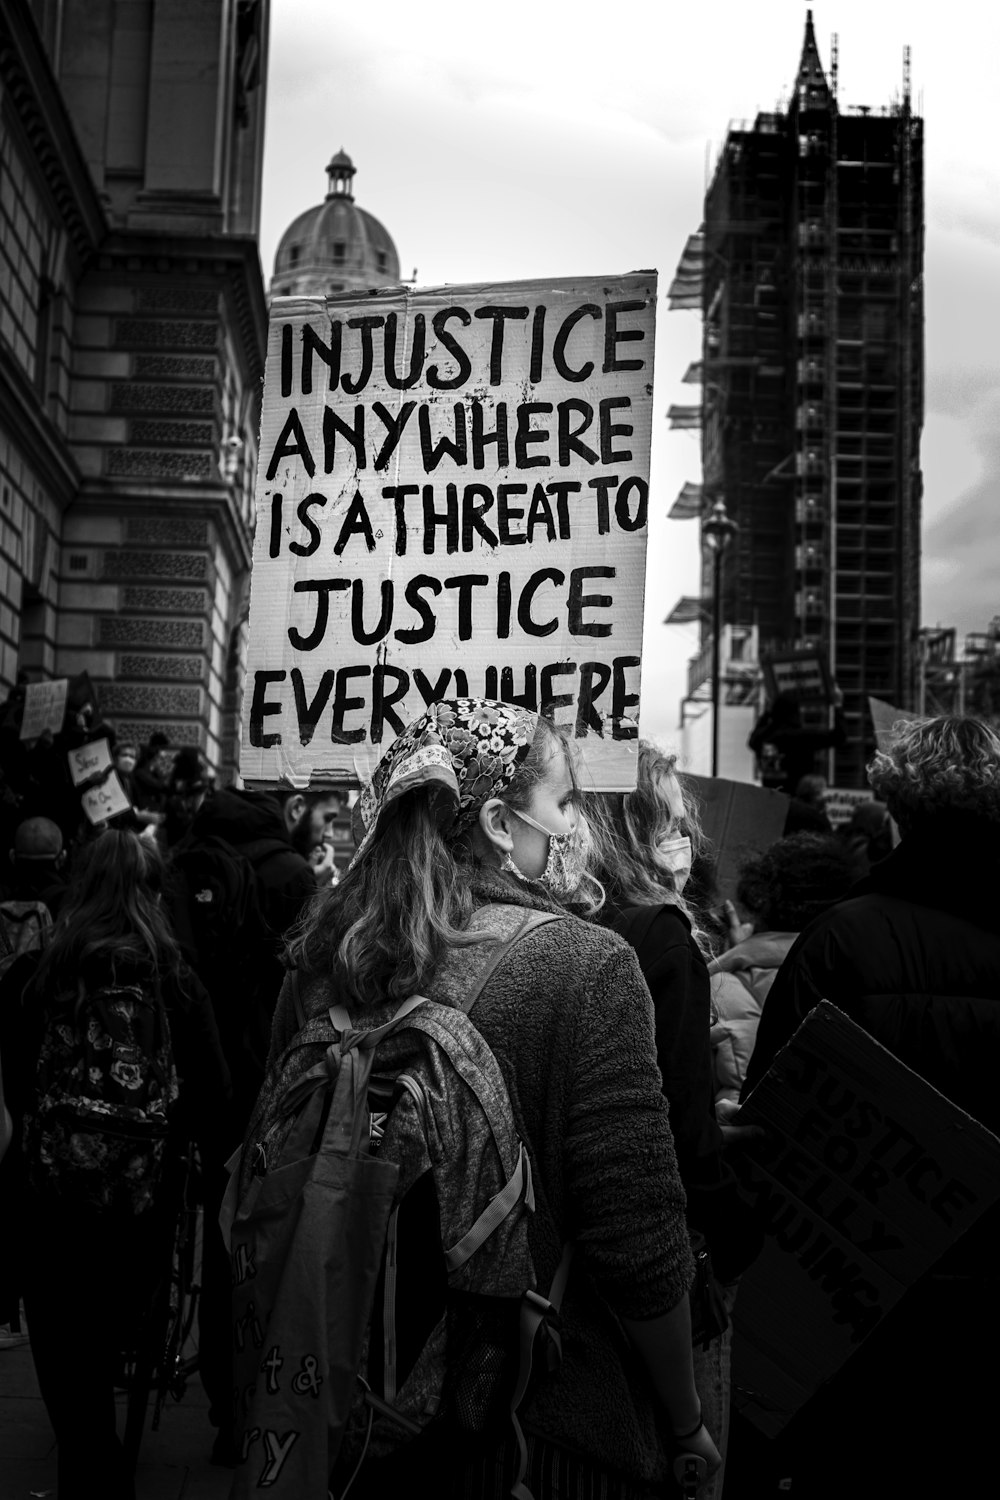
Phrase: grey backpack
[377,1222]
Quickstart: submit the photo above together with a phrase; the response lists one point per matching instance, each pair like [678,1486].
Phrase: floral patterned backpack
[104,1091]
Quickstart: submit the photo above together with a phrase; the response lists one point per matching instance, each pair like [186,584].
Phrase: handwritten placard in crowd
[452,500]
[88,761]
[44,707]
[106,799]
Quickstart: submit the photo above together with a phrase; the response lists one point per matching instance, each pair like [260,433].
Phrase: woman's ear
[494,821]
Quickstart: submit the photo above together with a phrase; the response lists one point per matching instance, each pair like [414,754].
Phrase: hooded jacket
[254,824]
[741,980]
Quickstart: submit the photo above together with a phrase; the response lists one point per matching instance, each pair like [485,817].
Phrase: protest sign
[864,1177]
[806,673]
[452,499]
[740,819]
[44,707]
[88,761]
[105,799]
[839,803]
[884,716]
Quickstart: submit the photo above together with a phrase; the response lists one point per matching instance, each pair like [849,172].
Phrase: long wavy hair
[626,827]
[382,931]
[936,768]
[111,920]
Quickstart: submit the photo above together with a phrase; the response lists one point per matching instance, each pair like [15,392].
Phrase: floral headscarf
[464,750]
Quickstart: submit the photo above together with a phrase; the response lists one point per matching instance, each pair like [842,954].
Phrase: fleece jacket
[569,1018]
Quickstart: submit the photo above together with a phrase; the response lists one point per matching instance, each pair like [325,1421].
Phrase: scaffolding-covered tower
[809,273]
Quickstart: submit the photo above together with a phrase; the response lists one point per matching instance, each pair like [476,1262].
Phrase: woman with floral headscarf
[475,805]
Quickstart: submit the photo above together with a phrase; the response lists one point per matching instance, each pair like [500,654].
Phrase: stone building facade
[132,337]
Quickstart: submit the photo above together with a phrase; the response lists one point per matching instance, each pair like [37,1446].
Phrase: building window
[339,250]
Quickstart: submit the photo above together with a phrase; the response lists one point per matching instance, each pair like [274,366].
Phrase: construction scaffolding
[811,256]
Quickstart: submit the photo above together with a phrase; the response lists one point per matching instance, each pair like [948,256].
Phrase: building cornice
[234,259]
[27,78]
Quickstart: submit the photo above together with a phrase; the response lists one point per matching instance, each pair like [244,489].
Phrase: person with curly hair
[913,956]
[782,890]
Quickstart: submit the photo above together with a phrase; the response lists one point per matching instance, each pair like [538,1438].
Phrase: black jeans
[90,1280]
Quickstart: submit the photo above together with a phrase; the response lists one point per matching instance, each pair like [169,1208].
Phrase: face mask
[567,861]
[675,855]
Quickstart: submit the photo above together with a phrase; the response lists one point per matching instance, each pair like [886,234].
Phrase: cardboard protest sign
[105,799]
[839,803]
[866,1175]
[44,707]
[88,761]
[452,499]
[806,673]
[740,819]
[884,716]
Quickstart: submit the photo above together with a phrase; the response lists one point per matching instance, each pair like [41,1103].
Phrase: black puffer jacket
[913,956]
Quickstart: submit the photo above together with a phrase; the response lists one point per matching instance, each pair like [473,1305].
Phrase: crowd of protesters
[626,1033]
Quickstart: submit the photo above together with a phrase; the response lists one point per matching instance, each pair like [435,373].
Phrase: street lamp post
[718,530]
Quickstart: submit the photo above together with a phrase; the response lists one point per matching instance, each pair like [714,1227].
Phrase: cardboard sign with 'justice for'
[452,500]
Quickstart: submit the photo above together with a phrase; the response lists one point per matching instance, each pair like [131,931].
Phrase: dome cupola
[336,246]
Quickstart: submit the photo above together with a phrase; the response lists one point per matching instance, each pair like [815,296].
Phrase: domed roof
[336,246]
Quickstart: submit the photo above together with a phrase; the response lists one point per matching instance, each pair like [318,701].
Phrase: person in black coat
[644,844]
[913,956]
[786,749]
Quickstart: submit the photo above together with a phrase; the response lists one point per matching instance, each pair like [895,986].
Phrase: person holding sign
[912,956]
[785,748]
[476,805]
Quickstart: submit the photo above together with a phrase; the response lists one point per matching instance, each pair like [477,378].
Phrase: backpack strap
[537,1313]
[531,920]
[341,1019]
[297,1006]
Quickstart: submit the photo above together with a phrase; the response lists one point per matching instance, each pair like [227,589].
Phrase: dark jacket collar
[950,865]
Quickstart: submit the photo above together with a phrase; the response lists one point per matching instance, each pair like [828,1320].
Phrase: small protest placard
[44,707]
[884,716]
[105,799]
[88,761]
[839,803]
[806,673]
[741,820]
[864,1178]
[452,500]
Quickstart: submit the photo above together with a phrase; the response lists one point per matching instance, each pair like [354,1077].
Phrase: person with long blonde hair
[645,842]
[96,1255]
[476,806]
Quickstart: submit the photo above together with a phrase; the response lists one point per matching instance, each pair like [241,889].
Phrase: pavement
[173,1463]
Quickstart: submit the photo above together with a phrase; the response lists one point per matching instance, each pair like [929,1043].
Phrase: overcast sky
[539,138]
